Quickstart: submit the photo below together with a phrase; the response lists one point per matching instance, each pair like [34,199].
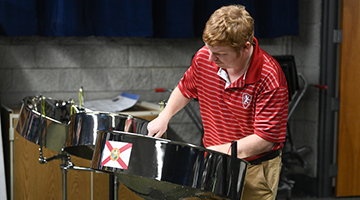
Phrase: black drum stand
[66,165]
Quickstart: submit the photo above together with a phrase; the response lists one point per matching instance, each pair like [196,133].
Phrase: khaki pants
[261,181]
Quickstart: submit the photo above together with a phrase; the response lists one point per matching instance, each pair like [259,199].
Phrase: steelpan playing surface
[84,128]
[163,169]
[48,130]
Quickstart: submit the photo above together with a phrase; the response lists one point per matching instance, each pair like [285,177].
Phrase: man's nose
[212,57]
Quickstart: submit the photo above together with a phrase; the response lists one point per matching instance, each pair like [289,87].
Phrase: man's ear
[245,48]
[247,45]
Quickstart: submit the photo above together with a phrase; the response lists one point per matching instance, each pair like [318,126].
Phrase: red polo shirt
[256,103]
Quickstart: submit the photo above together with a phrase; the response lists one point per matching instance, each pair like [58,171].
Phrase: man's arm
[251,145]
[176,102]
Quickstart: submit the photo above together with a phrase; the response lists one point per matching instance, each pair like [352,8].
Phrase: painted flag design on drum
[116,154]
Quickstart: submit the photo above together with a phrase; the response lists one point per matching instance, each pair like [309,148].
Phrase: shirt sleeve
[271,114]
[187,84]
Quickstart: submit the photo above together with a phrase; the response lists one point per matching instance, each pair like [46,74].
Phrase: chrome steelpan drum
[156,168]
[84,128]
[44,121]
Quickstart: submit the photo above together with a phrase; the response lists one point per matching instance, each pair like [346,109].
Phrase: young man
[243,97]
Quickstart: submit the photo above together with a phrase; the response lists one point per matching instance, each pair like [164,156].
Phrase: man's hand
[157,127]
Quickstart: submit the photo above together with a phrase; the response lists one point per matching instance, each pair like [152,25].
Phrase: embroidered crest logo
[246,100]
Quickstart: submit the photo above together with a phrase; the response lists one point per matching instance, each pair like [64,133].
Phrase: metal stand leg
[65,163]
[113,187]
[64,177]
[116,187]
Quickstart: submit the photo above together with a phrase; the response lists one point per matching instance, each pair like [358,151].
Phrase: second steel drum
[84,128]
[156,168]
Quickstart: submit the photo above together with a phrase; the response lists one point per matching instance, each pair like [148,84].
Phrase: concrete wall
[105,67]
[306,48]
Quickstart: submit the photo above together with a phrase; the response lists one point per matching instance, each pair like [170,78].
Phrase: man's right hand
[157,127]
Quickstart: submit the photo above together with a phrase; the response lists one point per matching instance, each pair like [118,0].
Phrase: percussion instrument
[51,124]
[44,121]
[84,128]
[156,168]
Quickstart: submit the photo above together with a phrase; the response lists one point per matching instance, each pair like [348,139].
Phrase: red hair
[229,25]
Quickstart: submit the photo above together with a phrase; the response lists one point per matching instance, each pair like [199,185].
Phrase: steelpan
[48,130]
[44,122]
[84,128]
[156,168]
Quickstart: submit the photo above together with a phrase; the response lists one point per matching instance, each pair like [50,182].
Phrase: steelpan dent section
[47,130]
[164,169]
[84,128]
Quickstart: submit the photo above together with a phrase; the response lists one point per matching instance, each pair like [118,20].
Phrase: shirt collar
[254,71]
[223,74]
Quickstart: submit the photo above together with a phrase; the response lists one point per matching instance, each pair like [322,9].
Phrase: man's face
[224,56]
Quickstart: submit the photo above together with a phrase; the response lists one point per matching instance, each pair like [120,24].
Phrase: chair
[291,154]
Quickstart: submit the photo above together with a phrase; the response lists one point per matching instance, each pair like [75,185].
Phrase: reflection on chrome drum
[156,168]
[44,121]
[84,127]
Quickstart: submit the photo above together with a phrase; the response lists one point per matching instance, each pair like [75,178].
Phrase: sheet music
[119,103]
